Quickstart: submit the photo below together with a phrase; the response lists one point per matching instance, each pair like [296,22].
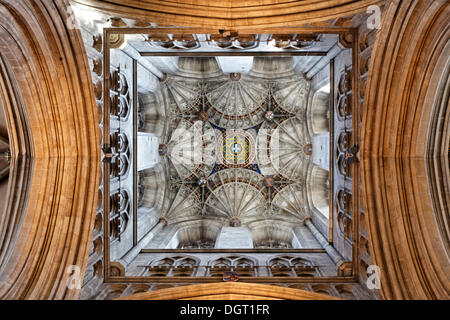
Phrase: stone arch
[219,266]
[245,266]
[152,113]
[280,266]
[272,234]
[160,267]
[288,266]
[399,100]
[185,266]
[320,190]
[230,291]
[152,183]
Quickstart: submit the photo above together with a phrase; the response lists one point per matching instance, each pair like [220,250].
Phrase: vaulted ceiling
[49,97]
[236,146]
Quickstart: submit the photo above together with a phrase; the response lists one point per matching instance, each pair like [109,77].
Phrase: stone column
[331,251]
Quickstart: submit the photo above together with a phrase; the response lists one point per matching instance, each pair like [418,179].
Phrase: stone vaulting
[167,149]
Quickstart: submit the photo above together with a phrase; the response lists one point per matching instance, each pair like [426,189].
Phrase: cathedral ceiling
[237,147]
[57,122]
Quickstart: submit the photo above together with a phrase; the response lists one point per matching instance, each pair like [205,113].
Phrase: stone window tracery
[288,266]
[182,266]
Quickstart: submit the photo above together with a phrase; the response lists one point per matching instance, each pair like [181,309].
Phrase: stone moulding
[404,236]
[54,95]
[231,14]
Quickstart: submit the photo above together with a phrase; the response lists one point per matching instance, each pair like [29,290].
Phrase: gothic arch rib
[47,60]
[232,14]
[403,233]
